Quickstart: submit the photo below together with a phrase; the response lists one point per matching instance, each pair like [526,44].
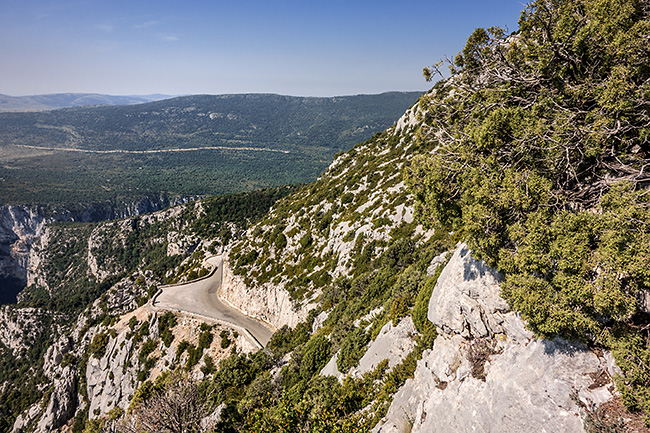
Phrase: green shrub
[421,308]
[352,349]
[165,324]
[205,339]
[142,394]
[280,241]
[315,356]
[194,356]
[143,331]
[306,241]
[571,242]
[97,348]
[133,322]
[225,339]
[400,307]
[208,367]
[285,339]
[182,347]
[148,347]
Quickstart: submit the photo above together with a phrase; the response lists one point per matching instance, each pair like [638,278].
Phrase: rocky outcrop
[466,299]
[59,402]
[25,419]
[487,373]
[269,302]
[393,344]
[63,399]
[19,225]
[20,327]
[112,379]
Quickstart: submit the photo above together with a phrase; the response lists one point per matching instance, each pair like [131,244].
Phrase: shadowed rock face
[518,384]
[18,227]
[9,289]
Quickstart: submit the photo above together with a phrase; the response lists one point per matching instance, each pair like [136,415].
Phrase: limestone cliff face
[112,379]
[269,302]
[60,400]
[487,373]
[63,399]
[19,225]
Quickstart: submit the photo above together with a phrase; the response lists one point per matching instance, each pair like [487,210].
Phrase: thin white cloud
[169,38]
[108,28]
[145,25]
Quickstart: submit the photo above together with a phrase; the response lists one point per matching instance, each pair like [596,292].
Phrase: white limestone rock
[63,401]
[466,298]
[270,303]
[319,321]
[526,385]
[112,380]
[26,418]
[331,369]
[393,343]
[58,406]
[528,388]
[436,262]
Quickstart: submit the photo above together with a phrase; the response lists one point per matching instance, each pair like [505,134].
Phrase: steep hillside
[333,229]
[481,265]
[83,277]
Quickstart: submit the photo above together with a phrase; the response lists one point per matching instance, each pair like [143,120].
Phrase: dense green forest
[231,143]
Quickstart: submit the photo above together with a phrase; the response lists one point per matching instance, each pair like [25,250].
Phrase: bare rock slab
[525,384]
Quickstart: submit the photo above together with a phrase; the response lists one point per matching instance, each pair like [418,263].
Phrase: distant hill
[64,100]
[184,146]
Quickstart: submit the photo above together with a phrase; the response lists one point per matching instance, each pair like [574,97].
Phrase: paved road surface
[200,297]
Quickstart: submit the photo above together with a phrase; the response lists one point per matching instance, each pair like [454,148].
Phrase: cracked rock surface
[526,384]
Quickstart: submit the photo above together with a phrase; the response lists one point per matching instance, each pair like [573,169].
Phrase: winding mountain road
[200,297]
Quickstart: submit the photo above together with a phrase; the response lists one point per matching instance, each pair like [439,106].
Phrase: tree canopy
[541,158]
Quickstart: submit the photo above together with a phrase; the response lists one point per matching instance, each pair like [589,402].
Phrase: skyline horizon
[211,94]
[282,47]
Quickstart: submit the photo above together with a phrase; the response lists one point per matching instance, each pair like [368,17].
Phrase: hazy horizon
[165,96]
[332,48]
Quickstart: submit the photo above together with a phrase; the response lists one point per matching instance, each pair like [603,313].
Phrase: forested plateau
[187,146]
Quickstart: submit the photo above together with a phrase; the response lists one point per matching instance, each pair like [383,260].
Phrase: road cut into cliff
[200,298]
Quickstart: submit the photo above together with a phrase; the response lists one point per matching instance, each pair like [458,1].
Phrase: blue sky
[303,48]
